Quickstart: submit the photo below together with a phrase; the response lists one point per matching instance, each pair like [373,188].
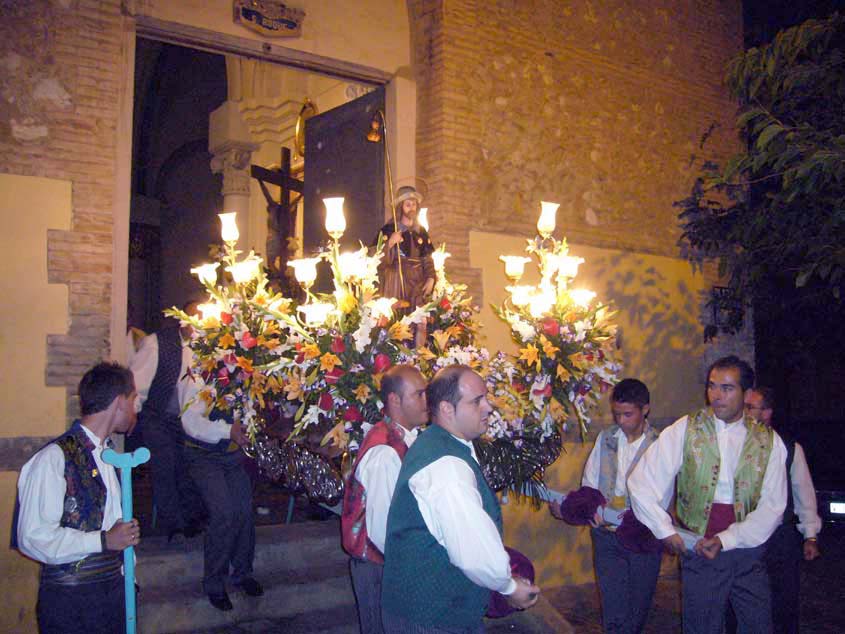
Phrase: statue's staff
[125,462]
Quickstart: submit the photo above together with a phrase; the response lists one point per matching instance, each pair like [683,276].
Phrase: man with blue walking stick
[70,512]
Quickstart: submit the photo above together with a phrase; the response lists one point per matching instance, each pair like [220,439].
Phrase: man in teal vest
[70,512]
[731,490]
[444,554]
[626,579]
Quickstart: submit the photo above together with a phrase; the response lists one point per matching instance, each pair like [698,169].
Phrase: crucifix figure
[281,219]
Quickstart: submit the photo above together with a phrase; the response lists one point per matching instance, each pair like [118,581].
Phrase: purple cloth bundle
[635,536]
[521,566]
[580,506]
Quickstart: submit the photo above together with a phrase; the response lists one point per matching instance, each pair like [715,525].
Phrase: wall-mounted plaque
[269,17]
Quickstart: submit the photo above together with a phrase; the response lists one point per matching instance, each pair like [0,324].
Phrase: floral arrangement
[320,362]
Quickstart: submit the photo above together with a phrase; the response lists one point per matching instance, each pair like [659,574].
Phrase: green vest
[420,583]
[699,473]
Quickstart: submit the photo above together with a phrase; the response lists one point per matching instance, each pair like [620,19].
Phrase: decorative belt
[91,569]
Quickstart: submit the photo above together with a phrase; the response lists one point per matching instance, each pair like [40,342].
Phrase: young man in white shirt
[69,517]
[370,485]
[795,538]
[731,489]
[626,579]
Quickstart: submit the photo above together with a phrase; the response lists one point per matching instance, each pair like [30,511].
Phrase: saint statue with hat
[407,270]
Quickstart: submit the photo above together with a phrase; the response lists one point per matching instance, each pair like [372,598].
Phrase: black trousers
[175,496]
[784,553]
[94,608]
[737,578]
[366,582]
[229,541]
[394,624]
[626,581]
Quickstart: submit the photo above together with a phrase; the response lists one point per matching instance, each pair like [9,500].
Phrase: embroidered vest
[609,463]
[420,583]
[85,497]
[699,473]
[353,520]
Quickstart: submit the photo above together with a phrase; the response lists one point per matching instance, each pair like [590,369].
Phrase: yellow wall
[658,302]
[29,207]
[372,33]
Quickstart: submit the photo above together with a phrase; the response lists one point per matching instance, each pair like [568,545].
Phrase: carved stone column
[230,144]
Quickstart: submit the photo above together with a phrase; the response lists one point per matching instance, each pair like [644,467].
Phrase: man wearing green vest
[444,553]
[731,490]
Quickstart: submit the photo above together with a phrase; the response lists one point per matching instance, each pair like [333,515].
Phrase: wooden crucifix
[281,219]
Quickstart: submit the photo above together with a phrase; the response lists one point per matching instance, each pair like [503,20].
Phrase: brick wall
[60,60]
[597,106]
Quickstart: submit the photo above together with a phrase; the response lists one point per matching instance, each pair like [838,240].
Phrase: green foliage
[777,209]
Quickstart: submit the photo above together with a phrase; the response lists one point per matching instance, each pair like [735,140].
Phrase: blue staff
[125,462]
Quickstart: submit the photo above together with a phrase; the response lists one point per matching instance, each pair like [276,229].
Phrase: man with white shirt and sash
[731,490]
[370,486]
[626,579]
[444,554]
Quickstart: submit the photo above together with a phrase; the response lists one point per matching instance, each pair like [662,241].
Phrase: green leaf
[768,135]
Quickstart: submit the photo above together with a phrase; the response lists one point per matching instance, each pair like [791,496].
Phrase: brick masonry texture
[60,60]
[596,106]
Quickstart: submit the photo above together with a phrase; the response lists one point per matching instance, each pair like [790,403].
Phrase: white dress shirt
[144,364]
[448,498]
[625,453]
[651,485]
[195,419]
[41,490]
[378,472]
[804,495]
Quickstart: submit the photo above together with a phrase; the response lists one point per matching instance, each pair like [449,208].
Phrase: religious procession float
[311,365]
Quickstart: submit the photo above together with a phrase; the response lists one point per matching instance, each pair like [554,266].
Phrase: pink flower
[326,402]
[381,363]
[551,327]
[333,375]
[248,341]
[223,377]
[338,347]
[352,414]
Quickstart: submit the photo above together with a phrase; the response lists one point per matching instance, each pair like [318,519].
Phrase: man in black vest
[795,538]
[157,365]
[69,517]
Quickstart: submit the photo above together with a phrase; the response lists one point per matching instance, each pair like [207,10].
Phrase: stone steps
[302,567]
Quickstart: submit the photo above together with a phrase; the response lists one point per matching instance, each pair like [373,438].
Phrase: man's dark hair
[101,385]
[393,381]
[631,391]
[746,373]
[767,394]
[445,387]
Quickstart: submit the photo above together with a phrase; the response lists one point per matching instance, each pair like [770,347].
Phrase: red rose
[338,347]
[551,327]
[445,304]
[230,360]
[518,386]
[352,415]
[326,402]
[333,375]
[381,363]
[248,341]
[223,377]
[546,391]
[226,318]
[382,322]
[300,358]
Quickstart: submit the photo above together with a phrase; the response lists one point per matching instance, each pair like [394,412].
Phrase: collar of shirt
[99,445]
[622,439]
[468,444]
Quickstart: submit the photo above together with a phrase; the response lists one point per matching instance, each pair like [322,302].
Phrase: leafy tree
[774,215]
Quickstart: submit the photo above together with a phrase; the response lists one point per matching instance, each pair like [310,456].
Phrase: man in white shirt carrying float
[731,489]
[70,512]
[795,538]
[444,553]
[626,579]
[369,488]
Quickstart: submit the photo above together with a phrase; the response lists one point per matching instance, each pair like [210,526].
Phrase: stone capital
[233,159]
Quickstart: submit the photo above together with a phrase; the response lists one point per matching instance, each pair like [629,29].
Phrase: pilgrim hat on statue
[407,191]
